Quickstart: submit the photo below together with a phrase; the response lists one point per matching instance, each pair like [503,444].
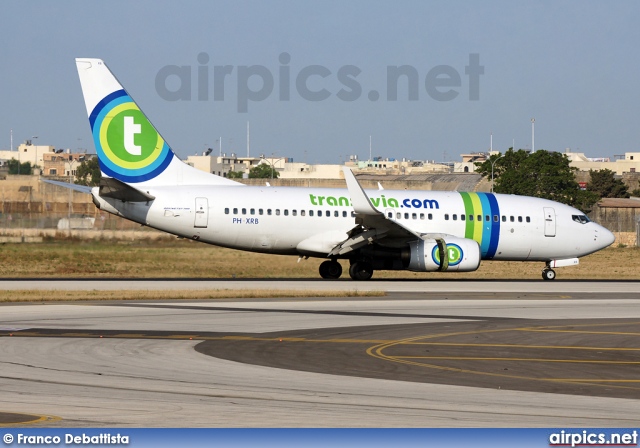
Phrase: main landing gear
[361,270]
[548,274]
[330,269]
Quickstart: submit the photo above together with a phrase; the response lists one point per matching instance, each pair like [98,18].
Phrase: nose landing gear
[548,274]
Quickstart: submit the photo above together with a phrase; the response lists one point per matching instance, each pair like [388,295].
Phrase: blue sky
[573,65]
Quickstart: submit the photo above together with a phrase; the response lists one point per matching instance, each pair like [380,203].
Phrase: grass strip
[32,295]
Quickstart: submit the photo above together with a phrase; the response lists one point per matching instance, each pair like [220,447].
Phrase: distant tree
[235,174]
[585,200]
[263,171]
[605,185]
[541,174]
[16,167]
[88,172]
[636,193]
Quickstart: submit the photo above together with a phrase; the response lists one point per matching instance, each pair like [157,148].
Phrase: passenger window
[260,211]
[294,212]
[244,211]
[430,216]
[286,212]
[462,217]
[519,218]
[528,219]
[344,213]
[353,214]
[406,216]
[235,211]
[512,219]
[226,211]
[336,214]
[319,213]
[470,217]
[487,218]
[414,216]
[327,213]
[310,212]
[455,216]
[390,215]
[496,218]
[504,218]
[269,211]
[446,216]
[277,212]
[252,211]
[398,215]
[479,217]
[302,212]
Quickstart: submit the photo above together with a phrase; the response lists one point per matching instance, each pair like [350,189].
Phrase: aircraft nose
[604,237]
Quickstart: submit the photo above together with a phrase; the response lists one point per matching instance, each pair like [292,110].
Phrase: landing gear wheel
[361,270]
[548,274]
[330,269]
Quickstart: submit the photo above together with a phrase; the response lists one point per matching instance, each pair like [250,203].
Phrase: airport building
[221,165]
[288,169]
[28,152]
[624,163]
[62,164]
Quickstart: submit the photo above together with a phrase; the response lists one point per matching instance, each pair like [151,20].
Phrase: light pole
[69,162]
[492,164]
[533,122]
[219,142]
[272,162]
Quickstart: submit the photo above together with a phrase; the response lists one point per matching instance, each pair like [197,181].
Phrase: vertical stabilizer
[129,148]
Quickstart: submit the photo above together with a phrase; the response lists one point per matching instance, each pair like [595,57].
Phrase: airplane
[421,231]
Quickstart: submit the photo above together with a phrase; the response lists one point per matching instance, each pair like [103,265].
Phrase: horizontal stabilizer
[113,188]
[74,187]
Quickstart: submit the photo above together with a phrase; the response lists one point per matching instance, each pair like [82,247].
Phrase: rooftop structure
[627,163]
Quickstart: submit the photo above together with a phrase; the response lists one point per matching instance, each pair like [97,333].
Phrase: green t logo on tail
[129,148]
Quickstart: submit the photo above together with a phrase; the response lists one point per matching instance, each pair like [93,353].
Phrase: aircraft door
[202,212]
[549,221]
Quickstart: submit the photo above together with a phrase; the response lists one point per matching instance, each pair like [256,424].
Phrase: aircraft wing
[373,225]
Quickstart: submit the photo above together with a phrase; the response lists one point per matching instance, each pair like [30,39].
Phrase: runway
[450,286]
[412,359]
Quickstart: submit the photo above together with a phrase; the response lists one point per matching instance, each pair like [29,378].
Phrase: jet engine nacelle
[461,254]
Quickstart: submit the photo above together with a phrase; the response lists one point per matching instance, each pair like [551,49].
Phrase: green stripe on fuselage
[468,210]
[472,207]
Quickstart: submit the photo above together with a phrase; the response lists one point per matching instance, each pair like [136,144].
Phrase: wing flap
[355,242]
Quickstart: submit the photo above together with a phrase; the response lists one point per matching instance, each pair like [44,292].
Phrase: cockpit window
[582,219]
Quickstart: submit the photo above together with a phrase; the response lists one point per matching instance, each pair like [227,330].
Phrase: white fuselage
[312,221]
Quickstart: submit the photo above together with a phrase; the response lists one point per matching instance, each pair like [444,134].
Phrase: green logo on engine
[454,253]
